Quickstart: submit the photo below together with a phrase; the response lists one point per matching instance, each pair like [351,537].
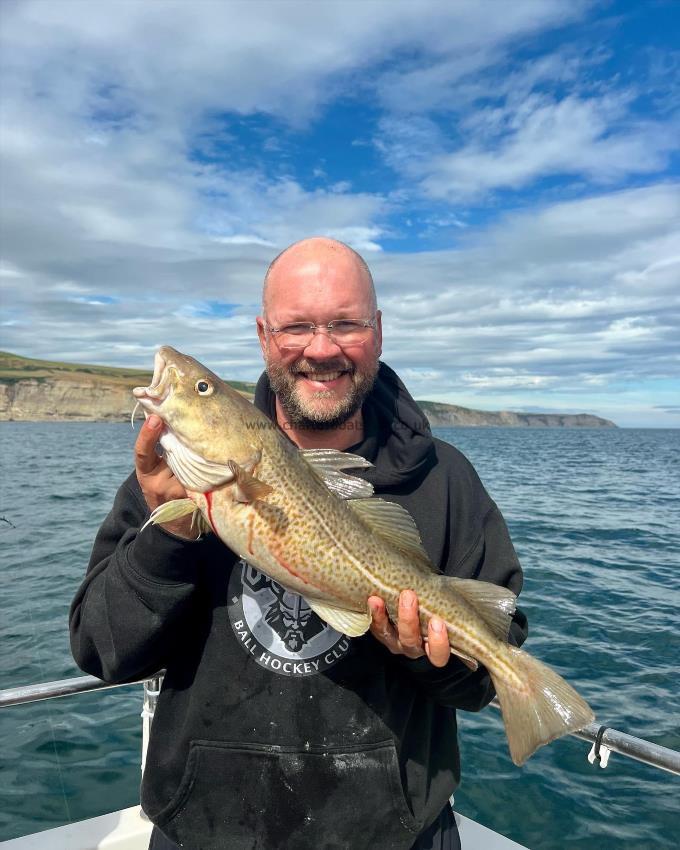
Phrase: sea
[595,518]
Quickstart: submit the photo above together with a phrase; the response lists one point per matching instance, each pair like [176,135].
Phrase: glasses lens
[348,332]
[342,332]
[297,335]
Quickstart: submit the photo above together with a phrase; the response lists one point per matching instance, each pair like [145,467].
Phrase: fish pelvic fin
[467,660]
[350,623]
[247,488]
[169,511]
[546,707]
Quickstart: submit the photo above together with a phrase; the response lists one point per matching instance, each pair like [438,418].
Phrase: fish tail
[545,707]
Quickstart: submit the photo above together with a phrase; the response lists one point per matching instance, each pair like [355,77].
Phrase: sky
[509,171]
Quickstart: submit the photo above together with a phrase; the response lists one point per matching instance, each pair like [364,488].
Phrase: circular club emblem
[278,628]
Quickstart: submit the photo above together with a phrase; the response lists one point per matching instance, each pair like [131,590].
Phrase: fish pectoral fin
[350,623]
[247,488]
[328,465]
[396,526]
[169,511]
[193,470]
[252,461]
[494,604]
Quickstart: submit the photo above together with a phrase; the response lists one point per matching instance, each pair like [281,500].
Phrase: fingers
[156,479]
[409,625]
[146,459]
[437,646]
[405,638]
[381,627]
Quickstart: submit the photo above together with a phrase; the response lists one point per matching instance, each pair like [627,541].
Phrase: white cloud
[497,380]
[572,136]
[175,59]
[243,239]
[122,180]
[541,295]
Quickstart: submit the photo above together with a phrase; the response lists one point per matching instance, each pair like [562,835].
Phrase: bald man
[273,731]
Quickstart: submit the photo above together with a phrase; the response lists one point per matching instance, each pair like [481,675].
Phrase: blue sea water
[595,517]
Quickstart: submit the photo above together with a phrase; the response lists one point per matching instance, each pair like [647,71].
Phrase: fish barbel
[296,516]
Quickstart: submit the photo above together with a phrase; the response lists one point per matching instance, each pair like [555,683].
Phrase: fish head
[202,417]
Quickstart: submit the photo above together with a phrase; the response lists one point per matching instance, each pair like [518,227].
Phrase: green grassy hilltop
[14,367]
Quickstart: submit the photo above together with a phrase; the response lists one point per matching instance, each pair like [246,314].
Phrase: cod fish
[301,519]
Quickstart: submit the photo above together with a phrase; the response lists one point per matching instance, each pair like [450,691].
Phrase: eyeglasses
[343,332]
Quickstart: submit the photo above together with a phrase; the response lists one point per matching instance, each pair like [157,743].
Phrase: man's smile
[323,380]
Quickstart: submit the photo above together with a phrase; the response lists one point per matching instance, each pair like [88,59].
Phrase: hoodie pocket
[258,797]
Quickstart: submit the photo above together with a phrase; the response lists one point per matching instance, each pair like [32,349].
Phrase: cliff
[442,415]
[43,390]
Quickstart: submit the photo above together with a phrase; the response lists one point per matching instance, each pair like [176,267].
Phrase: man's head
[324,383]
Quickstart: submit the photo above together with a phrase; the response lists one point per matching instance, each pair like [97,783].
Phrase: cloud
[482,72]
[572,136]
[173,60]
[510,380]
[545,300]
[465,127]
[155,161]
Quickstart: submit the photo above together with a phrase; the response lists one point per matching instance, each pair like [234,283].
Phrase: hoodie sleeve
[480,548]
[137,587]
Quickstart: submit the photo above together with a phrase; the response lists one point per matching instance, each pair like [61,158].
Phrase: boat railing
[603,738]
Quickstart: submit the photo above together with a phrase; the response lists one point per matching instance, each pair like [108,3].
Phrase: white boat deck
[128,829]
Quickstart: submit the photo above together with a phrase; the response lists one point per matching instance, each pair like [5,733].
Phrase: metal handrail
[59,688]
[626,745]
[610,739]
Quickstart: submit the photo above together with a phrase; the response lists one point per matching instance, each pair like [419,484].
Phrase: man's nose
[321,345]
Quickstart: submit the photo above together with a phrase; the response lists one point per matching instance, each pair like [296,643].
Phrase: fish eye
[204,387]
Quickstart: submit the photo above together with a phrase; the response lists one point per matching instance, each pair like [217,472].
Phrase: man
[273,731]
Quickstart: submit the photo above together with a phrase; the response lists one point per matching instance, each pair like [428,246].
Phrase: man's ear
[378,331]
[261,334]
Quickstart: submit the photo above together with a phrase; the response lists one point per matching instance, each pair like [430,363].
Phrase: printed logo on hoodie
[277,628]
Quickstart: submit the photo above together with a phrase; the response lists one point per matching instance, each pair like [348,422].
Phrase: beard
[322,411]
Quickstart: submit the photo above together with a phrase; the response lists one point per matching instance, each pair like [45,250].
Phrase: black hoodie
[272,731]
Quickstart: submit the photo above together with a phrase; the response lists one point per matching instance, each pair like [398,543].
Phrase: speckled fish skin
[311,541]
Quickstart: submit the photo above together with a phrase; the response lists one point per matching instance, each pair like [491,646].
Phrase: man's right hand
[156,479]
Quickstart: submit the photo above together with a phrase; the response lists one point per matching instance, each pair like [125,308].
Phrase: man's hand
[155,477]
[405,639]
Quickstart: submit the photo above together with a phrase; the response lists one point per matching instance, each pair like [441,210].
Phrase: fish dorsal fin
[350,623]
[328,465]
[494,604]
[396,526]
[247,488]
[333,459]
[195,472]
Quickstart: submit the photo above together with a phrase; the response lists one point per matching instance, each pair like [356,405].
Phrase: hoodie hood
[396,438]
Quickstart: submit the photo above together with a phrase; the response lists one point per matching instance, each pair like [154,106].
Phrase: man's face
[324,384]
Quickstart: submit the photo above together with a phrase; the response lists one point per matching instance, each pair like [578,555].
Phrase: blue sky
[509,170]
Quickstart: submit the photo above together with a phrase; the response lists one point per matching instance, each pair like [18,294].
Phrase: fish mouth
[160,388]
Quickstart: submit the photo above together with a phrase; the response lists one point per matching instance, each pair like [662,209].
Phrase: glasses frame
[365,323]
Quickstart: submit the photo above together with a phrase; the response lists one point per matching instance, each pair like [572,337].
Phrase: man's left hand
[405,638]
